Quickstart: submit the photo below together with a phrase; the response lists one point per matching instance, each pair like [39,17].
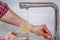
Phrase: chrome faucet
[45,4]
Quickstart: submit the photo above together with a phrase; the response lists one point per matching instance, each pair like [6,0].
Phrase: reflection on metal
[44,4]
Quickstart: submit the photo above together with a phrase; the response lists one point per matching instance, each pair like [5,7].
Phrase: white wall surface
[35,16]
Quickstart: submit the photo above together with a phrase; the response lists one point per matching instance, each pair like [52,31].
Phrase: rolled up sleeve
[3,9]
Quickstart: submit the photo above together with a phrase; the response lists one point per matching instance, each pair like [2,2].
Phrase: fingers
[12,33]
[13,37]
[10,36]
[45,35]
[47,31]
[7,36]
[24,38]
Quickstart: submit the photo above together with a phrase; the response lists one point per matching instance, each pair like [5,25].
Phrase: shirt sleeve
[3,9]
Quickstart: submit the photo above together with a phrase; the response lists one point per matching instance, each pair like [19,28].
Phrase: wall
[35,16]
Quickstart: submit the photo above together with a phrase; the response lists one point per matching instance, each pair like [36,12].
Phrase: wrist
[27,27]
[32,29]
[24,29]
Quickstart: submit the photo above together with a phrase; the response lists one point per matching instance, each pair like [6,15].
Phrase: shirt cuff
[3,9]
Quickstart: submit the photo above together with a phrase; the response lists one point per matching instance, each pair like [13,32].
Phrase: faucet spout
[44,4]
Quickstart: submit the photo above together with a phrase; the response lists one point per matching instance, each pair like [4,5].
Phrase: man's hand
[12,36]
[42,30]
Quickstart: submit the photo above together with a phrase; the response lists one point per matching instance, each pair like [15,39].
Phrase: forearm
[11,18]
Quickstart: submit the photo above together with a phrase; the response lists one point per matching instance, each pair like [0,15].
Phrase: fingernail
[15,33]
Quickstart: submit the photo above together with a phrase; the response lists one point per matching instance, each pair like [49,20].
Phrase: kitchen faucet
[28,5]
